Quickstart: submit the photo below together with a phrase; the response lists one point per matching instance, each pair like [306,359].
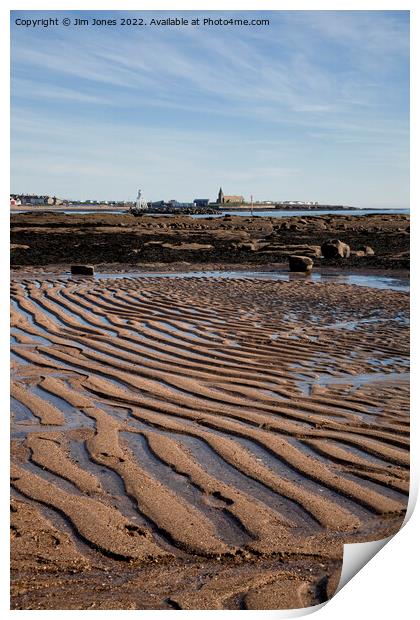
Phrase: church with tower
[232,200]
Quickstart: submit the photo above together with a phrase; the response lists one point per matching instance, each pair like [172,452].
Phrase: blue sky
[313,107]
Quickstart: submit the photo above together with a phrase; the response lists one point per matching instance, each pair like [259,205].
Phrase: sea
[306,213]
[256,213]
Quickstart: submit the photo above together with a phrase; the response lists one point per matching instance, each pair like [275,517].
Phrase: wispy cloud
[315,86]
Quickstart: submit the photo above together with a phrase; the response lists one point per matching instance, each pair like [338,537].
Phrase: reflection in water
[371,280]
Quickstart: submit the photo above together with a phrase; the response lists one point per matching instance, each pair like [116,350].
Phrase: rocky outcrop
[53,238]
[334,248]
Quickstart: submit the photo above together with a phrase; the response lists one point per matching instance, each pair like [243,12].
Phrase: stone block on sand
[82,270]
[300,263]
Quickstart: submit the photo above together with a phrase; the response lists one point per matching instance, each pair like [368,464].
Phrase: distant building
[37,200]
[179,205]
[223,200]
[53,200]
[15,202]
[34,199]
[299,202]
[201,202]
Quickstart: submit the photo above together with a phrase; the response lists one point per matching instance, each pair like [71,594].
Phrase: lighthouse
[141,204]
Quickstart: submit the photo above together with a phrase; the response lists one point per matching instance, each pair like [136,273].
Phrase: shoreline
[236,210]
[201,443]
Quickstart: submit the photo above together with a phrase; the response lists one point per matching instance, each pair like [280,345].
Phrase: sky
[314,106]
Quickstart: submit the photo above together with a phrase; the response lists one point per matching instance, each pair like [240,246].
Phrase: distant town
[222,201]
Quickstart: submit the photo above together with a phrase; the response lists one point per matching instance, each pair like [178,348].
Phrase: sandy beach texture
[201,443]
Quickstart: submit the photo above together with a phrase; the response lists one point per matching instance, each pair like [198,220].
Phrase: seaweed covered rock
[334,248]
[300,263]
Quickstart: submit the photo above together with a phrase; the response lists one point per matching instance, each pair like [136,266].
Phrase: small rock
[251,246]
[82,270]
[314,251]
[368,250]
[300,263]
[334,248]
[19,246]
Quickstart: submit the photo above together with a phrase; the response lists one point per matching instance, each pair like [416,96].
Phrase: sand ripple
[160,420]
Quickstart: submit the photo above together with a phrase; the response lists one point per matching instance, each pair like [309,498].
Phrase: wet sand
[201,443]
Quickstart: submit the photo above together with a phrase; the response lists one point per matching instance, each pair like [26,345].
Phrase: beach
[200,441]
[210,309]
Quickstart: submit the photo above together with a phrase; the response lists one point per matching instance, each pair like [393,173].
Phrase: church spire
[220,197]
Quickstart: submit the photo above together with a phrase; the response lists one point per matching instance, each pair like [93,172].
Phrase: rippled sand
[201,443]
